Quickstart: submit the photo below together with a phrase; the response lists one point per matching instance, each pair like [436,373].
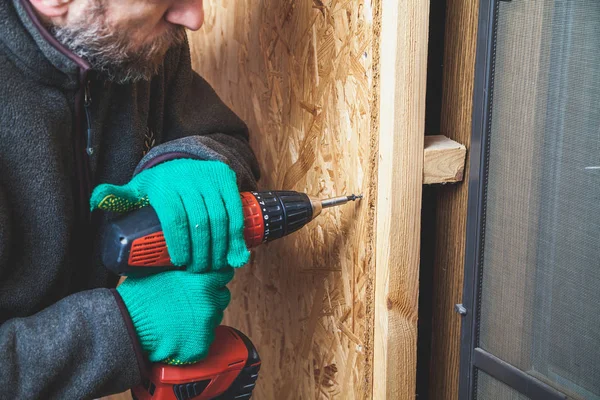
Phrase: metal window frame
[480,124]
[473,358]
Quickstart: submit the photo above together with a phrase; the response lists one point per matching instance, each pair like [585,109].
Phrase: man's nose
[188,13]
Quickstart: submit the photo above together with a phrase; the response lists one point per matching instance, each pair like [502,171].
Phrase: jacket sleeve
[77,348]
[198,124]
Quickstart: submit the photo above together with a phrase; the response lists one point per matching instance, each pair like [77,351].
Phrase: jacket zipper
[83,121]
[87,102]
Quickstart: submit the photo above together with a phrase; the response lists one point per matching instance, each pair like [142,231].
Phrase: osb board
[300,74]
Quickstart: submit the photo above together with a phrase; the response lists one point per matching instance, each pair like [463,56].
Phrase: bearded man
[100,94]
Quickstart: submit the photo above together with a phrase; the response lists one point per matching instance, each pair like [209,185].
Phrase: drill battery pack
[228,372]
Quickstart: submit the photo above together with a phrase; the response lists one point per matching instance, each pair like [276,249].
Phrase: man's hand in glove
[198,205]
[175,313]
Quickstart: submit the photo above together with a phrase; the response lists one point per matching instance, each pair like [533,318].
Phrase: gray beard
[109,51]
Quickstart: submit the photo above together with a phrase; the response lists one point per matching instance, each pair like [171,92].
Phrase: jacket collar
[35,50]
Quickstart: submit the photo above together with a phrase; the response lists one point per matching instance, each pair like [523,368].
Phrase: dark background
[432,127]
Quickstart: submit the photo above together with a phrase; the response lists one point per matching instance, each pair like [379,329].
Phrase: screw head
[460,309]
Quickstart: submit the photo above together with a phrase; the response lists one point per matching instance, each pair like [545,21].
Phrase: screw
[460,309]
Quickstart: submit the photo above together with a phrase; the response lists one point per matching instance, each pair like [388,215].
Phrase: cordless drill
[134,245]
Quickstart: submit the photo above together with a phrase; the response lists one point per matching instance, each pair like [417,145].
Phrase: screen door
[531,327]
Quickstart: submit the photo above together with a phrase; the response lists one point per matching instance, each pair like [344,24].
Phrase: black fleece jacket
[63,332]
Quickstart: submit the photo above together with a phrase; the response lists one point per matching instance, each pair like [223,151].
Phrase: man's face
[126,40]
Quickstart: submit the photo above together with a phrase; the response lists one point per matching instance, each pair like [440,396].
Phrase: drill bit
[337,201]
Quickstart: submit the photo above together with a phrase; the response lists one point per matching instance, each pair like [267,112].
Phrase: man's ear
[51,8]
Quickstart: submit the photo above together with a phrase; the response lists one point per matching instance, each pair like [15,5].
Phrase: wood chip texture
[300,74]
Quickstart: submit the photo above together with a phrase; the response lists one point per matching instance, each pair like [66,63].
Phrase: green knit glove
[198,205]
[175,313]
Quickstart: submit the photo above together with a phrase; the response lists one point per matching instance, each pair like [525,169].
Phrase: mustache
[174,36]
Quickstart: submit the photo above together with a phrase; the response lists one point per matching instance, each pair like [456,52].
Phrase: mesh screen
[489,388]
[540,304]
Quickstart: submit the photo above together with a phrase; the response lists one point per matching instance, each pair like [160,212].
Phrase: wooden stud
[403,75]
[457,107]
[444,160]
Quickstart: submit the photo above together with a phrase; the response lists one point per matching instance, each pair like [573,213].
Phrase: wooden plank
[300,73]
[457,105]
[403,72]
[444,160]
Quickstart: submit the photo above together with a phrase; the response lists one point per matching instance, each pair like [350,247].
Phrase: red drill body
[134,244]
